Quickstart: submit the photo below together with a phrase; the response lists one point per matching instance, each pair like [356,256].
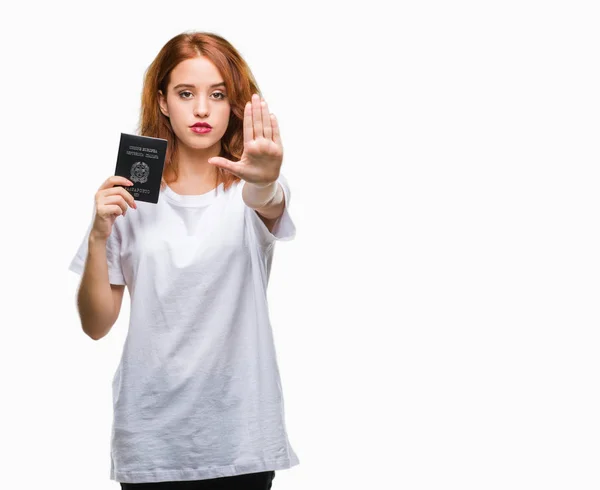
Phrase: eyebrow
[181,85]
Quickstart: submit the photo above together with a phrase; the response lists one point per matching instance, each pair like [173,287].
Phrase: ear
[162,103]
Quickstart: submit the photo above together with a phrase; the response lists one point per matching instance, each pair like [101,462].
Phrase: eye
[222,95]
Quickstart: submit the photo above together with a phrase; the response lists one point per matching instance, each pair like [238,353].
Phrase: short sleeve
[284,228]
[113,254]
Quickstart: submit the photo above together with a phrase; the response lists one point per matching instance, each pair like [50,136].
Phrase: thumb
[223,163]
[220,161]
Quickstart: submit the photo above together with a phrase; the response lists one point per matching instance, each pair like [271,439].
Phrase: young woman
[197,396]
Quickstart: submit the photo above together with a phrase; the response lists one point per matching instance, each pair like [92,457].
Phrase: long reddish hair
[239,83]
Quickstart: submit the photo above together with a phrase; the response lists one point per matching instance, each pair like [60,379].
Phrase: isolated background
[436,318]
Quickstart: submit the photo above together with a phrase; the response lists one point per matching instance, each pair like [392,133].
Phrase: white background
[436,317]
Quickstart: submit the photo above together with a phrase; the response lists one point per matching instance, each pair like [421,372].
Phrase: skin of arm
[268,201]
[96,299]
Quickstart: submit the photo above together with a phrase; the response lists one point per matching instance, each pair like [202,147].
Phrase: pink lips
[201,129]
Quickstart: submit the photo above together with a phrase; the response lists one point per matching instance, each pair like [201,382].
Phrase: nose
[201,108]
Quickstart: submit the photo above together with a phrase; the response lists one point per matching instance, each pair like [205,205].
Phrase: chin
[203,145]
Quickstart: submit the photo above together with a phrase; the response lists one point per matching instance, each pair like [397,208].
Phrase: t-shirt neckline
[192,200]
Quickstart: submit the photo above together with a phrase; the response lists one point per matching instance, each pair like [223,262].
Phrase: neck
[193,167]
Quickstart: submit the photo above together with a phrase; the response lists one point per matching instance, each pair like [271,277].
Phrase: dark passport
[141,159]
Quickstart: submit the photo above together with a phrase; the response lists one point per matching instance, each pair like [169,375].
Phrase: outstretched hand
[263,152]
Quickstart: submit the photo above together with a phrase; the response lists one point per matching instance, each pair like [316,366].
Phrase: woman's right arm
[98,301]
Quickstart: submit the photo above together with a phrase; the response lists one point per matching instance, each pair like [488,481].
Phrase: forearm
[267,200]
[95,299]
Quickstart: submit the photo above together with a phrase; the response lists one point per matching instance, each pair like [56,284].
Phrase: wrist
[95,240]
[258,196]
[262,186]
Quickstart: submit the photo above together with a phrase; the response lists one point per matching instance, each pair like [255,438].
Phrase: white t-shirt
[197,393]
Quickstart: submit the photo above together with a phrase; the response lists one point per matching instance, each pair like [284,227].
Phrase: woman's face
[196,93]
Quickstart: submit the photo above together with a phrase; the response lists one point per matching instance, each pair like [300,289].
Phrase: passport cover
[141,159]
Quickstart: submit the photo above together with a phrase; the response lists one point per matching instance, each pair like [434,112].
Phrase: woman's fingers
[276,133]
[266,120]
[117,199]
[121,191]
[248,130]
[114,180]
[257,117]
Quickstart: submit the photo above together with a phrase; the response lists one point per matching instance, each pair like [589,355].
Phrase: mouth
[202,125]
[201,129]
